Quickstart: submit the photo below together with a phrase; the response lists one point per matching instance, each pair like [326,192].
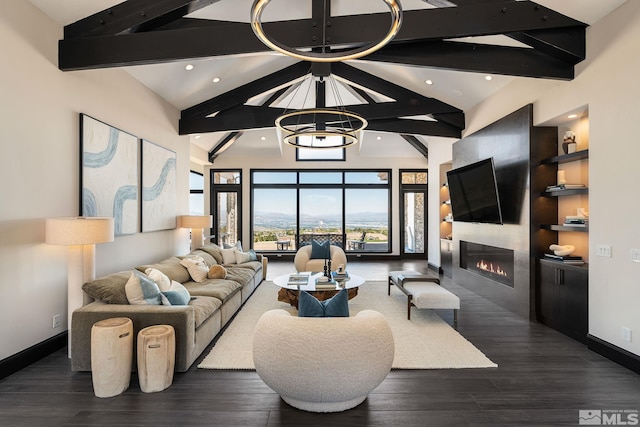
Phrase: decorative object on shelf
[197,223]
[325,54]
[562,250]
[80,234]
[569,142]
[582,213]
[561,177]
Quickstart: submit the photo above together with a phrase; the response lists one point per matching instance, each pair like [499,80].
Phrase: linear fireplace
[488,261]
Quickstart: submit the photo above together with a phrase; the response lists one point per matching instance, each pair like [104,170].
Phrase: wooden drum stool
[111,356]
[156,357]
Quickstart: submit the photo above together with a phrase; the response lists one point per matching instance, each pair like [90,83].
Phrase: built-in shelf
[551,262]
[571,157]
[568,192]
[560,227]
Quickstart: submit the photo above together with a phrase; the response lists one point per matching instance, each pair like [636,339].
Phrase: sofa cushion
[206,256]
[159,277]
[171,267]
[109,289]
[196,267]
[217,272]
[176,295]
[217,288]
[213,250]
[251,265]
[336,306]
[141,290]
[242,257]
[240,274]
[228,256]
[203,308]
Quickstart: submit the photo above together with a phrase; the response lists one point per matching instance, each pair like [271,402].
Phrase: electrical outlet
[635,255]
[55,323]
[626,334]
[603,250]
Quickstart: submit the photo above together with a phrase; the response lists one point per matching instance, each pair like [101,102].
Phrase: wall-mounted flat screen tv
[474,193]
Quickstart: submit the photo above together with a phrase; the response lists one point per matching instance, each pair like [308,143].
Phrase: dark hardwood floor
[543,378]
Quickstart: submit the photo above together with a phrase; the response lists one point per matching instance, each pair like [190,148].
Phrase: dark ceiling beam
[260,117]
[565,44]
[200,41]
[134,15]
[223,144]
[461,56]
[416,127]
[240,95]
[417,144]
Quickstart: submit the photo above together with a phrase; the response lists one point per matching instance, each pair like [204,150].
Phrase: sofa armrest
[182,318]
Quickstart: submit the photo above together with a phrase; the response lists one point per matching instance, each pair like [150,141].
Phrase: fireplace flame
[489,267]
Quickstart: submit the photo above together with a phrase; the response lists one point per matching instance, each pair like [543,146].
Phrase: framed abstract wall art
[109,175]
[158,187]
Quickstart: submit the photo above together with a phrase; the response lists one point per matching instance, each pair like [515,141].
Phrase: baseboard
[619,355]
[435,268]
[32,354]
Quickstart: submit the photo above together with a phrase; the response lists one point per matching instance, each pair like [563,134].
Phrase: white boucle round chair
[303,261]
[327,364]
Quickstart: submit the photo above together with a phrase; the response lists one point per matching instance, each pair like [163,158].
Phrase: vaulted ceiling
[498,38]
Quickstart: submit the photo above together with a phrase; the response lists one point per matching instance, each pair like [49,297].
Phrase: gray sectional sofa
[213,304]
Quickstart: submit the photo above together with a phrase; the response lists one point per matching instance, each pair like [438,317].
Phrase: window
[196,193]
[226,206]
[316,154]
[349,208]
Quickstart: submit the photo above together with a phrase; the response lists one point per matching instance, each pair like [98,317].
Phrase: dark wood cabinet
[564,298]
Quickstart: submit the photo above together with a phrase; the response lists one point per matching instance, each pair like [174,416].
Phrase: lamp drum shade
[78,230]
[195,221]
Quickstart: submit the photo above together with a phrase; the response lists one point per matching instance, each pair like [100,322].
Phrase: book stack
[576,221]
[565,259]
[564,187]
[329,285]
[298,279]
[340,276]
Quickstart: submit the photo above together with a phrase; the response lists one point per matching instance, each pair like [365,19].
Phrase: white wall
[354,161]
[607,82]
[39,110]
[439,152]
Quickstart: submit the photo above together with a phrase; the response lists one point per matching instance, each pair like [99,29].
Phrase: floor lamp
[197,223]
[80,234]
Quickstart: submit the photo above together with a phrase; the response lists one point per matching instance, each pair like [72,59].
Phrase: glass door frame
[215,190]
[406,189]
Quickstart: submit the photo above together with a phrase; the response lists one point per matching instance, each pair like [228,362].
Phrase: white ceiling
[183,88]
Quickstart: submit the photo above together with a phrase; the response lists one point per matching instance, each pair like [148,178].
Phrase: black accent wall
[517,148]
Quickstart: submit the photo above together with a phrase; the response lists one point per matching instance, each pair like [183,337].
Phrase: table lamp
[80,234]
[197,223]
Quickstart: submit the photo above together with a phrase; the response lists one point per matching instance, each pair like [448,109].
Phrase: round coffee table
[289,293]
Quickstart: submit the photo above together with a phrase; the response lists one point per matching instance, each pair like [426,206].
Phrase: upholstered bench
[423,291]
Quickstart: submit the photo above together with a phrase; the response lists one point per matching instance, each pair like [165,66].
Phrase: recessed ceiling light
[188,67]
[572,116]
[488,78]
[216,79]
[197,136]
[263,138]
[379,138]
[429,82]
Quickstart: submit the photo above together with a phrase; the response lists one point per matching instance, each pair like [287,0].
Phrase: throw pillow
[196,267]
[217,272]
[336,306]
[320,250]
[237,246]
[213,250]
[229,256]
[161,279]
[242,257]
[254,256]
[109,289]
[176,295]
[141,290]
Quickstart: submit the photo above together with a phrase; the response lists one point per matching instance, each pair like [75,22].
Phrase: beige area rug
[424,342]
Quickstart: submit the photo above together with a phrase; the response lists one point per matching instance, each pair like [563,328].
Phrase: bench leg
[408,307]
[389,287]
[455,317]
